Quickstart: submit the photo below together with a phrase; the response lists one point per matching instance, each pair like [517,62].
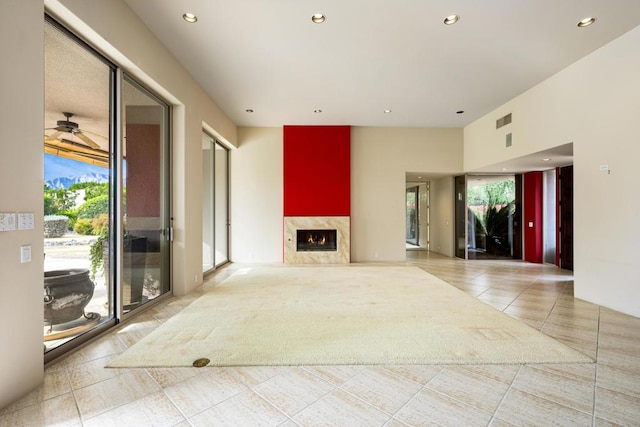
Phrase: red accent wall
[317,171]
[533,214]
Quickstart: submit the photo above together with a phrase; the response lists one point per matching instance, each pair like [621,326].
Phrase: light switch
[25,221]
[25,253]
[530,224]
[7,221]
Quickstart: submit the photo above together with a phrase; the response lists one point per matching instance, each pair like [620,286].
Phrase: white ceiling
[367,57]
[374,55]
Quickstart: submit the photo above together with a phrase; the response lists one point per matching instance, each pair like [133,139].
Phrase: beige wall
[257,196]
[114,29]
[594,103]
[442,216]
[21,172]
[380,158]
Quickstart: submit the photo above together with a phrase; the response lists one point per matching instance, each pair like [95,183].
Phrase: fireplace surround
[317,240]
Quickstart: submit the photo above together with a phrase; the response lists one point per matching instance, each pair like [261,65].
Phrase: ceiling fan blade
[84,138]
[55,135]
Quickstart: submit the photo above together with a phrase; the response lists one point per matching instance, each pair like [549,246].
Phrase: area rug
[334,315]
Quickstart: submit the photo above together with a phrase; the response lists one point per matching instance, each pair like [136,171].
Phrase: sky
[59,167]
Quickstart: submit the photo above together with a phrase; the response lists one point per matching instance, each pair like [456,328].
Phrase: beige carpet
[327,315]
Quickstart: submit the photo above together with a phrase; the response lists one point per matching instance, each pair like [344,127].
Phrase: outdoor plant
[94,207]
[83,226]
[96,253]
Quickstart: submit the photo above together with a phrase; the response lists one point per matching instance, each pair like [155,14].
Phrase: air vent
[503,121]
[508,140]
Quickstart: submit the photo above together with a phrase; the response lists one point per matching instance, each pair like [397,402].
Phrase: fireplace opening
[317,240]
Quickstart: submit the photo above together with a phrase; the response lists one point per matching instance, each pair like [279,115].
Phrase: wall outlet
[25,253]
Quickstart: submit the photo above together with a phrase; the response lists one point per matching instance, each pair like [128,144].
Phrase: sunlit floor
[78,390]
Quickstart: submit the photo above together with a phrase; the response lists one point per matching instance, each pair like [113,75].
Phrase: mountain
[67,181]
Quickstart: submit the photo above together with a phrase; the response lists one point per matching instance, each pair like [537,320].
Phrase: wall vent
[503,121]
[508,140]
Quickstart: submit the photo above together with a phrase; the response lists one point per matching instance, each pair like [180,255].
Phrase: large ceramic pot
[66,294]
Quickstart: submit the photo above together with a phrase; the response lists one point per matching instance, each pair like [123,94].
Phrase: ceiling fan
[67,126]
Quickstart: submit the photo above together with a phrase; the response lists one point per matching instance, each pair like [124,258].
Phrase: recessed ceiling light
[504,169]
[318,18]
[317,111]
[249,110]
[460,112]
[387,111]
[190,17]
[586,22]
[546,159]
[451,19]
[419,177]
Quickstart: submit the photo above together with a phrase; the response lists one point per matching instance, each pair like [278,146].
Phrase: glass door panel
[145,248]
[77,175]
[412,215]
[221,204]
[208,244]
[461,216]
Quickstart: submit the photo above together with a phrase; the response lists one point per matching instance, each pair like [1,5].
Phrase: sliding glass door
[106,193]
[215,203]
[144,234]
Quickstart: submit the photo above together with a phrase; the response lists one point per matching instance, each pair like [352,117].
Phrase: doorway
[412,215]
[417,213]
[215,203]
[565,217]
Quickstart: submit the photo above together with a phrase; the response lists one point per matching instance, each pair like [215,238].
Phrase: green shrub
[73,217]
[94,207]
[55,226]
[83,226]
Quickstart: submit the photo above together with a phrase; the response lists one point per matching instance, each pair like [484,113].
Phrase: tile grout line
[504,396]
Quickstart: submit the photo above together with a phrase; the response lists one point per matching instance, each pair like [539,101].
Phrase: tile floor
[78,390]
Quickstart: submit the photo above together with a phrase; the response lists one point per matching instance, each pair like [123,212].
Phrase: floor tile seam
[124,372]
[413,397]
[390,415]
[82,418]
[515,387]
[462,402]
[504,396]
[208,407]
[175,405]
[559,374]
[300,410]
[516,298]
[403,378]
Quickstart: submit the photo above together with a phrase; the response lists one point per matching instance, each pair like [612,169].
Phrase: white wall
[21,173]
[257,196]
[111,27]
[442,216]
[380,157]
[593,103]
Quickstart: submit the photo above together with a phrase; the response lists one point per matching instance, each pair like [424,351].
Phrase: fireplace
[316,240]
